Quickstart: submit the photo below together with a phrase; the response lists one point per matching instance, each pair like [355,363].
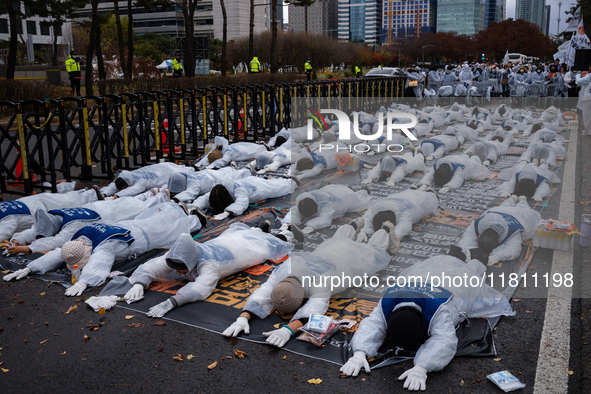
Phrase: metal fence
[93,137]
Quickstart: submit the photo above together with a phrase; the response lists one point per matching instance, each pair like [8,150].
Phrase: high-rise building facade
[495,11]
[531,11]
[546,24]
[360,20]
[322,18]
[238,18]
[407,18]
[461,16]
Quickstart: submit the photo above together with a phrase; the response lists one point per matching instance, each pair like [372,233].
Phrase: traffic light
[483,57]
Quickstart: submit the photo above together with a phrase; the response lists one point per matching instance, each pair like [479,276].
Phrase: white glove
[416,378]
[109,198]
[18,275]
[284,227]
[307,230]
[537,197]
[423,187]
[429,158]
[278,337]
[76,289]
[367,180]
[210,167]
[492,260]
[505,194]
[486,163]
[221,216]
[241,324]
[106,302]
[391,182]
[161,309]
[468,256]
[444,190]
[355,363]
[362,237]
[134,294]
[263,171]
[524,162]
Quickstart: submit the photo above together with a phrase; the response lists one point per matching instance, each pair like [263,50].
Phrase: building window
[44,30]
[31,28]
[3,26]
[57,30]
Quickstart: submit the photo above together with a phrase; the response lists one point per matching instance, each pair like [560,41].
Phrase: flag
[506,58]
[579,40]
[573,24]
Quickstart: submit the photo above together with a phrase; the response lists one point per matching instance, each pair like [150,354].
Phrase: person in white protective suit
[436,147]
[231,197]
[132,183]
[272,160]
[310,164]
[306,275]
[393,169]
[299,135]
[546,136]
[280,138]
[317,208]
[425,318]
[501,135]
[448,76]
[414,83]
[96,247]
[461,132]
[541,152]
[538,76]
[224,153]
[450,172]
[501,231]
[187,186]
[465,84]
[527,180]
[401,209]
[204,264]
[55,227]
[487,151]
[584,103]
[18,215]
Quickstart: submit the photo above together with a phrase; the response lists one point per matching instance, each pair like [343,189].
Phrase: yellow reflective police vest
[72,65]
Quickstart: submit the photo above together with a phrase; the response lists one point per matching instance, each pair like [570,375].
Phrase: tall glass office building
[531,11]
[408,18]
[461,16]
[359,20]
[495,11]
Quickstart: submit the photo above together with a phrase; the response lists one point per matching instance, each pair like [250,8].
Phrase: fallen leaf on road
[129,317]
[212,365]
[134,325]
[569,372]
[496,359]
[343,376]
[160,323]
[63,353]
[70,309]
[529,312]
[46,323]
[86,338]
[102,311]
[363,379]
[315,381]
[284,357]
[240,353]
[190,356]
[4,370]
[516,299]
[178,357]
[42,342]
[42,293]
[548,344]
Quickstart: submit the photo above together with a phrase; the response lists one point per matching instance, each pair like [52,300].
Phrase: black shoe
[199,213]
[266,226]
[184,206]
[282,237]
[99,195]
[298,235]
[297,181]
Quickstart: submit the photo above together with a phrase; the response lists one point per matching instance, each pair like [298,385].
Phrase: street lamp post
[424,53]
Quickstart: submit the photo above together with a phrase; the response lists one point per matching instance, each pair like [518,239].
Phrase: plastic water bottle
[75,274]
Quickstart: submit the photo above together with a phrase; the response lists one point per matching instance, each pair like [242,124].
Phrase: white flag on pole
[506,58]
[574,22]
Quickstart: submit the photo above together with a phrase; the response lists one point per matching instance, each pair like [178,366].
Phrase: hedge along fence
[98,135]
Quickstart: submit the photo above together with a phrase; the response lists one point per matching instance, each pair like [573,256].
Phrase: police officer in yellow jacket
[73,69]
[308,70]
[177,67]
[255,65]
[358,71]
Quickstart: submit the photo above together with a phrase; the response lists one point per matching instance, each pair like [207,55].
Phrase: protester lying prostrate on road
[311,164]
[527,180]
[401,209]
[546,136]
[501,135]
[293,281]
[450,172]
[231,198]
[462,132]
[487,151]
[54,228]
[223,153]
[187,186]
[132,183]
[205,263]
[393,169]
[95,248]
[543,153]
[18,215]
[501,231]
[317,208]
[434,148]
[271,161]
[424,318]
[280,138]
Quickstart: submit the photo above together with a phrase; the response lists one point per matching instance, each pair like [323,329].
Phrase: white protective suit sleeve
[510,249]
[469,239]
[12,223]
[323,220]
[47,262]
[316,170]
[240,203]
[45,244]
[317,304]
[456,180]
[260,302]
[151,270]
[101,261]
[202,202]
[138,187]
[375,173]
[439,152]
[192,191]
[543,190]
[428,177]
[26,237]
[399,173]
[440,347]
[508,187]
[110,189]
[224,161]
[203,285]
[371,333]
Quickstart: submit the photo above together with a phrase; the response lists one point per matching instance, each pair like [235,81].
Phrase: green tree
[58,12]
[153,46]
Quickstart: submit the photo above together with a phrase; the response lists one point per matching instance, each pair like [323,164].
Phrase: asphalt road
[44,349]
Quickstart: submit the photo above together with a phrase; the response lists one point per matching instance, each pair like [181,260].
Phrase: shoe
[543,161]
[522,198]
[535,162]
[167,193]
[99,195]
[266,226]
[296,180]
[413,186]
[252,170]
[357,224]
[234,165]
[184,206]
[199,213]
[515,198]
[298,235]
[154,191]
[393,240]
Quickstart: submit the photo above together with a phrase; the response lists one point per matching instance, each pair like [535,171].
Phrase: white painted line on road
[551,375]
